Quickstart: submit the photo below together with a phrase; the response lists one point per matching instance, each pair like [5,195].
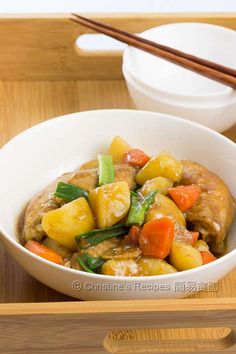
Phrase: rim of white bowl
[181,101]
[21,248]
[224,91]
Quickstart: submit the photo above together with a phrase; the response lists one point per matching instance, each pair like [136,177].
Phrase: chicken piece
[182,234]
[125,173]
[122,252]
[43,202]
[74,263]
[214,211]
[88,178]
[94,251]
[101,248]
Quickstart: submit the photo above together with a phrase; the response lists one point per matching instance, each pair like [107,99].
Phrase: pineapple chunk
[163,165]
[110,203]
[118,148]
[72,219]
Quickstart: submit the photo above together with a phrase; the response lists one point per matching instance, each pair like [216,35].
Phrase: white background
[95,6]
[59,6]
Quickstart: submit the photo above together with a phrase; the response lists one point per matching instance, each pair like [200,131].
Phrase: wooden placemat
[24,104]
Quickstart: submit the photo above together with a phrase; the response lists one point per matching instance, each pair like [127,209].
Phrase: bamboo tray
[41,76]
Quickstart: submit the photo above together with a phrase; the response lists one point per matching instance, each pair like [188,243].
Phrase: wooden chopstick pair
[214,71]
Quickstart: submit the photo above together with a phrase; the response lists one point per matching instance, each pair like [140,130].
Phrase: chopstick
[214,71]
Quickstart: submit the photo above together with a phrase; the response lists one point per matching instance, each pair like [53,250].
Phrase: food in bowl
[129,214]
[40,163]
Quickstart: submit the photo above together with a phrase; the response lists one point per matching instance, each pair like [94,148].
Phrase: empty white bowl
[158,85]
[37,156]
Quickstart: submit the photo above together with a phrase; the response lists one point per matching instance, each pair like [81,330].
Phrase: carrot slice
[135,157]
[207,257]
[43,251]
[156,238]
[133,235]
[185,196]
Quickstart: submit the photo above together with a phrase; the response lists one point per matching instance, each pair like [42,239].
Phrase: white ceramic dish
[160,86]
[38,155]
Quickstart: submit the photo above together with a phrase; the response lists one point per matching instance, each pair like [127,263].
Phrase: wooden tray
[53,80]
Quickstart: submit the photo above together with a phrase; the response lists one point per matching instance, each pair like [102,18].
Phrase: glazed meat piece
[88,178]
[45,201]
[74,264]
[182,234]
[101,248]
[94,251]
[125,173]
[213,213]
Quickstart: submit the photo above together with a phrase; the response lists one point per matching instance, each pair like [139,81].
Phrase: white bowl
[38,155]
[160,86]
